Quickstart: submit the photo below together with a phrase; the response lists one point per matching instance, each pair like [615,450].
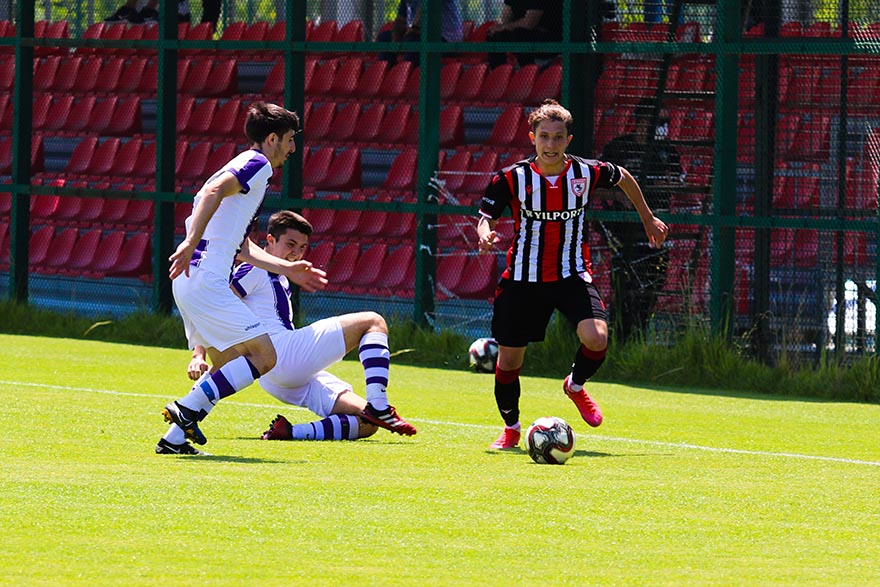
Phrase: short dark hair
[264,119]
[280,222]
[550,109]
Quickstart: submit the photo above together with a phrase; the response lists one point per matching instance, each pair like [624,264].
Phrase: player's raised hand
[181,258]
[657,232]
[306,275]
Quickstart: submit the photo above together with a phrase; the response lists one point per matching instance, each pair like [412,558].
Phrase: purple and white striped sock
[333,427]
[230,378]
[376,359]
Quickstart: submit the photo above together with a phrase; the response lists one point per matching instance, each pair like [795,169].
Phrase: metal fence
[752,127]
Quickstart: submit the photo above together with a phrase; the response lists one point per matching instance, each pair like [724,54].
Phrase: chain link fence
[802,216]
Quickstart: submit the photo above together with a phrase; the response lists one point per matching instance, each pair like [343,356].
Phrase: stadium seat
[228,119]
[66,74]
[450,270]
[38,247]
[511,129]
[42,207]
[321,220]
[5,161]
[402,173]
[201,118]
[134,260]
[7,73]
[185,106]
[126,118]
[45,70]
[107,255]
[136,78]
[456,230]
[369,123]
[90,212]
[321,80]
[345,221]
[4,246]
[479,278]
[82,155]
[80,115]
[320,123]
[394,124]
[138,214]
[495,83]
[547,85]
[324,32]
[470,82]
[370,265]
[371,80]
[192,167]
[220,156]
[346,76]
[62,246]
[316,166]
[343,264]
[82,254]
[806,247]
[345,121]
[400,226]
[344,173]
[395,81]
[521,83]
[451,127]
[320,254]
[350,32]
[449,74]
[109,75]
[454,169]
[274,84]
[103,157]
[481,170]
[393,279]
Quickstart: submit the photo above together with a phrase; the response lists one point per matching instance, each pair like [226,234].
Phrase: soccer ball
[483,355]
[550,441]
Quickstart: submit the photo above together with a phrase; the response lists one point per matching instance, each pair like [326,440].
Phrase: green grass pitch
[675,488]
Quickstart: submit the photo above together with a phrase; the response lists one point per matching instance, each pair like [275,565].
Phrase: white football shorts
[298,377]
[212,315]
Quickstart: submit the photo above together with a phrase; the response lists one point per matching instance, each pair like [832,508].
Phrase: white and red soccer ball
[550,441]
[483,355]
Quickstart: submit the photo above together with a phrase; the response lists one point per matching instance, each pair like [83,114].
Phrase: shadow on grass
[234,459]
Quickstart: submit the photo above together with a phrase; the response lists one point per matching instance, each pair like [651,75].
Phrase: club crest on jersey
[578,186]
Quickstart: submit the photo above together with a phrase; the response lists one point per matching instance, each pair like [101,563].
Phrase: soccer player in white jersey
[201,268]
[299,377]
[548,260]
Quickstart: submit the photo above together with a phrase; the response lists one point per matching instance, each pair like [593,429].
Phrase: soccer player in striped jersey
[201,270]
[548,260]
[299,377]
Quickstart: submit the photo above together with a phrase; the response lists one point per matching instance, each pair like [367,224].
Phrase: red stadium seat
[192,167]
[479,278]
[470,83]
[110,74]
[320,123]
[454,169]
[449,75]
[511,129]
[62,246]
[134,260]
[107,254]
[136,78]
[519,89]
[369,123]
[320,254]
[345,171]
[82,155]
[395,80]
[7,73]
[316,165]
[138,214]
[402,173]
[90,212]
[495,83]
[451,126]
[393,279]
[345,79]
[370,83]
[343,264]
[321,220]
[321,80]
[102,115]
[547,85]
[65,76]
[103,157]
[228,119]
[350,32]
[450,270]
[45,70]
[38,248]
[369,266]
[394,124]
[345,121]
[43,207]
[201,118]
[83,253]
[481,170]
[80,115]
[274,84]
[324,32]
[220,156]
[234,31]
[400,226]
[126,119]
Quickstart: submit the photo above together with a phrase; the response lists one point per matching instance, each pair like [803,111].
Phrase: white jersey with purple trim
[267,295]
[230,224]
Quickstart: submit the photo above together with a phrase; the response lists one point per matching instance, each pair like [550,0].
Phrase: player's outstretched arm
[302,273]
[225,185]
[655,228]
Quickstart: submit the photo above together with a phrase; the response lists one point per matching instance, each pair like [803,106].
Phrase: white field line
[678,445]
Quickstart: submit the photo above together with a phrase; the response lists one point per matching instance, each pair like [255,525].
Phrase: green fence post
[429,139]
[22,147]
[724,187]
[166,129]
